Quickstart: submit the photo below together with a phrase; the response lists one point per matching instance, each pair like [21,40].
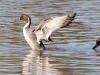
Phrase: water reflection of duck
[97,43]
[44,29]
[34,64]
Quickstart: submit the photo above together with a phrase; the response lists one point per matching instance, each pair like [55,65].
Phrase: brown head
[97,43]
[25,18]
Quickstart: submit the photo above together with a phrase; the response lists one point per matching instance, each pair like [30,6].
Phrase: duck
[35,36]
[97,43]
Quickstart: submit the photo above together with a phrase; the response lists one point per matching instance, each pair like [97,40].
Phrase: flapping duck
[34,36]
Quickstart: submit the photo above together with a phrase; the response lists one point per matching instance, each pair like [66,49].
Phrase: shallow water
[70,53]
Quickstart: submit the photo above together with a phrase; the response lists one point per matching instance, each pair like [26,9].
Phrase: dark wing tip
[68,20]
[72,15]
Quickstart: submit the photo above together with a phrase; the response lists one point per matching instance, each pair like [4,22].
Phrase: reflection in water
[39,64]
[97,52]
[35,64]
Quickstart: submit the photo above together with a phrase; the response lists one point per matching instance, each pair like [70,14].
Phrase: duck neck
[28,23]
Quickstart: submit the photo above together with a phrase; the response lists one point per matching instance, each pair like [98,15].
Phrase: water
[70,53]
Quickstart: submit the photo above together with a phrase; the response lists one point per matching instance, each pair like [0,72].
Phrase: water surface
[70,53]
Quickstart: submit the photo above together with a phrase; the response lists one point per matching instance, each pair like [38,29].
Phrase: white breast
[31,38]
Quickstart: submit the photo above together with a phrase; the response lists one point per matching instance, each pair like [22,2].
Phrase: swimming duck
[34,36]
[97,43]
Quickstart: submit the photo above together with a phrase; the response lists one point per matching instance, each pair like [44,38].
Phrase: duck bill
[95,46]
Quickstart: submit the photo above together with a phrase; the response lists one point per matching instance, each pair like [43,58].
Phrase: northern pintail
[34,36]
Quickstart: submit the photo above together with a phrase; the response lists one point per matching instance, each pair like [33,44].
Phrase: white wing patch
[46,27]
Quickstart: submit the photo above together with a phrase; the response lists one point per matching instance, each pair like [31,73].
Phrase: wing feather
[46,27]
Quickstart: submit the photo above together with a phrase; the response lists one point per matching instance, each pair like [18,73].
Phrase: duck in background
[97,43]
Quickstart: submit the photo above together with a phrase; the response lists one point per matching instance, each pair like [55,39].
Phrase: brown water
[70,53]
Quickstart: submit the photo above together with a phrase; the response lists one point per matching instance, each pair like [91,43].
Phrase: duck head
[97,43]
[25,18]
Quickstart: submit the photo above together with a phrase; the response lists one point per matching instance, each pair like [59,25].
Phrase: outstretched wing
[46,27]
